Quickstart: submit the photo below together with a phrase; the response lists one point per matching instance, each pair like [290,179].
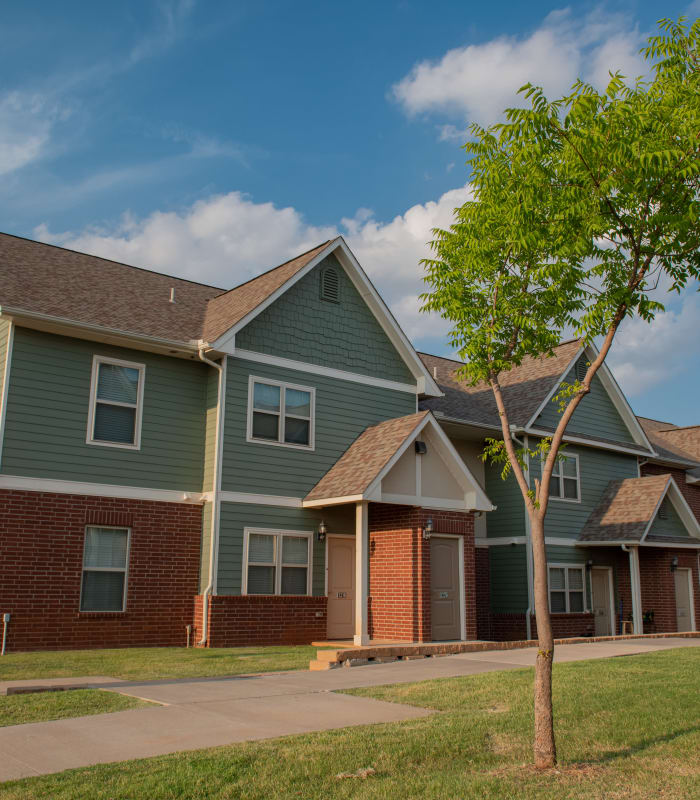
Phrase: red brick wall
[691,491]
[658,585]
[42,537]
[511,627]
[237,620]
[399,602]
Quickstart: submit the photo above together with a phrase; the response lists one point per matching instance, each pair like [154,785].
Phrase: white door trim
[691,599]
[462,588]
[611,598]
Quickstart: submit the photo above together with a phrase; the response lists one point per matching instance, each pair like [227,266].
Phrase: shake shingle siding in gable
[47,414]
[596,415]
[343,410]
[343,335]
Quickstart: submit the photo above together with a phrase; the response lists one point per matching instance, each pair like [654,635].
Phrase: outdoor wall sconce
[674,563]
[322,531]
[589,565]
[421,448]
[428,528]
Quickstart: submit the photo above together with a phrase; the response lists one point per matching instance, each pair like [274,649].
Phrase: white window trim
[566,568]
[309,535]
[560,476]
[96,361]
[252,380]
[124,569]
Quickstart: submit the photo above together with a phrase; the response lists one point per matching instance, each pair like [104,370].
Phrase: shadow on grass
[639,747]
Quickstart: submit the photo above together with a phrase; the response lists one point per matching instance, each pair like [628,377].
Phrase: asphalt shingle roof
[672,443]
[361,463]
[625,510]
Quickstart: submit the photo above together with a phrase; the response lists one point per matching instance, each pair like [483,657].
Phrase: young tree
[580,208]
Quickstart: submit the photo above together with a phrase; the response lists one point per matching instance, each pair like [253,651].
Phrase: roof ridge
[272,269]
[677,428]
[110,260]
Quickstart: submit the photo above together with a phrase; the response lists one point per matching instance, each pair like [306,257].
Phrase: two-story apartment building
[622,529]
[178,461]
[275,463]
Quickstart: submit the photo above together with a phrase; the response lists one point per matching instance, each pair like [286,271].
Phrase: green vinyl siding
[509,517]
[235,517]
[344,335]
[205,553]
[596,415]
[211,399]
[672,525]
[4,344]
[596,469]
[47,416]
[343,410]
[508,579]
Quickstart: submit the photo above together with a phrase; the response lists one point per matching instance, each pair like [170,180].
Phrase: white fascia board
[20,482]
[260,499]
[5,368]
[316,369]
[656,510]
[333,501]
[499,541]
[618,448]
[101,333]
[692,478]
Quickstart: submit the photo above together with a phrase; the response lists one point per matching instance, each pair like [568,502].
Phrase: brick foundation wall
[511,627]
[691,491]
[399,602]
[42,537]
[239,620]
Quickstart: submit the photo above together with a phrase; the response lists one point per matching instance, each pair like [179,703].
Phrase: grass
[628,729]
[18,709]
[154,663]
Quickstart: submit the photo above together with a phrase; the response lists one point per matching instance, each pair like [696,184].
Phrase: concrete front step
[372,654]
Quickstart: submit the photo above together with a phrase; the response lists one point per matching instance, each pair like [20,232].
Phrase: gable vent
[663,510]
[581,369]
[330,285]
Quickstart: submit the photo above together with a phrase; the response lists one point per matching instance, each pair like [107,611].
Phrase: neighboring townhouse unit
[622,530]
[181,462]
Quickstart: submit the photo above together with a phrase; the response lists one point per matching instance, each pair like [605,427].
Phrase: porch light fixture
[322,531]
[674,563]
[589,565]
[421,448]
[428,529]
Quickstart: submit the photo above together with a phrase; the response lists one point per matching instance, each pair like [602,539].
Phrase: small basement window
[105,560]
[330,285]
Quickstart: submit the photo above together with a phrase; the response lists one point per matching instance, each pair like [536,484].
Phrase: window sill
[102,614]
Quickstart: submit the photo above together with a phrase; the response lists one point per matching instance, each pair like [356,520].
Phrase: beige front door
[602,613]
[341,587]
[683,599]
[444,589]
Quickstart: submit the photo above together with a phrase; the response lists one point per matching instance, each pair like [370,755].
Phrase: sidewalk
[208,712]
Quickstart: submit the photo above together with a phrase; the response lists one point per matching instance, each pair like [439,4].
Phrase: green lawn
[628,729]
[154,663]
[19,709]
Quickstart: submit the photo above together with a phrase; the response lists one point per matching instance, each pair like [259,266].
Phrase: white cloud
[26,123]
[477,82]
[227,239]
[644,355]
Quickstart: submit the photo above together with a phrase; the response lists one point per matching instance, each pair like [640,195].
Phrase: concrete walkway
[207,712]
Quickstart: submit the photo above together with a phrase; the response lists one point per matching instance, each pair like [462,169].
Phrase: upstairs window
[565,482]
[116,400]
[280,413]
[105,559]
[566,589]
[277,562]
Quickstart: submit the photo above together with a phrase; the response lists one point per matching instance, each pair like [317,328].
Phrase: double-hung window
[105,562]
[566,589]
[280,413]
[565,483]
[116,401]
[277,562]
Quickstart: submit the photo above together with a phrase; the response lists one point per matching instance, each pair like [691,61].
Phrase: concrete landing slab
[57,684]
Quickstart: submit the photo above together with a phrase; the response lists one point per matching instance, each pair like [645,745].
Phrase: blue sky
[214,139]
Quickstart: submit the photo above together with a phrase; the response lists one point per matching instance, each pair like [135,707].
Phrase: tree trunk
[545,750]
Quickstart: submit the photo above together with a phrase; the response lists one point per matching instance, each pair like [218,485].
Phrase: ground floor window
[566,589]
[276,562]
[105,560]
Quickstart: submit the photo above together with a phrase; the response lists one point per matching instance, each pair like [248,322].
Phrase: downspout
[216,492]
[528,543]
[635,587]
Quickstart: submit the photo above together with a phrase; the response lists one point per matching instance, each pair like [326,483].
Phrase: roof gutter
[35,316]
